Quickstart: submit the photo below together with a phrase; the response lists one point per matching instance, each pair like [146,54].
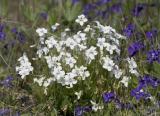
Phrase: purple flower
[4,112]
[75,1]
[7,82]
[151,34]
[128,31]
[139,94]
[18,114]
[138,8]
[79,110]
[14,30]
[153,55]
[108,97]
[1,27]
[44,15]
[116,8]
[2,36]
[21,37]
[134,48]
[102,2]
[102,14]
[88,8]
[149,80]
[143,83]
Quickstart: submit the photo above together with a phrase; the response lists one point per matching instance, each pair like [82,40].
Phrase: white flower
[115,40]
[79,37]
[41,31]
[125,81]
[81,72]
[91,53]
[52,61]
[88,28]
[81,19]
[67,29]
[69,79]
[110,48]
[47,82]
[42,50]
[59,46]
[132,66]
[101,43]
[41,40]
[70,43]
[39,80]
[54,27]
[25,66]
[108,63]
[51,42]
[82,47]
[78,94]
[70,61]
[108,29]
[58,73]
[117,72]
[96,106]
[105,29]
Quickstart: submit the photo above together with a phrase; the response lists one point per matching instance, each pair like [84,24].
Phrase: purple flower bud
[44,15]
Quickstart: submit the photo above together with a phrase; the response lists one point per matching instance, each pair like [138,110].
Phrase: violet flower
[134,48]
[116,8]
[19,35]
[2,36]
[75,1]
[4,111]
[80,110]
[1,27]
[7,82]
[147,80]
[151,34]
[138,9]
[44,15]
[102,2]
[153,55]
[129,30]
[108,97]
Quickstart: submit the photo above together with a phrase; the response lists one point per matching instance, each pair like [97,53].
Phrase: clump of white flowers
[25,66]
[68,55]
